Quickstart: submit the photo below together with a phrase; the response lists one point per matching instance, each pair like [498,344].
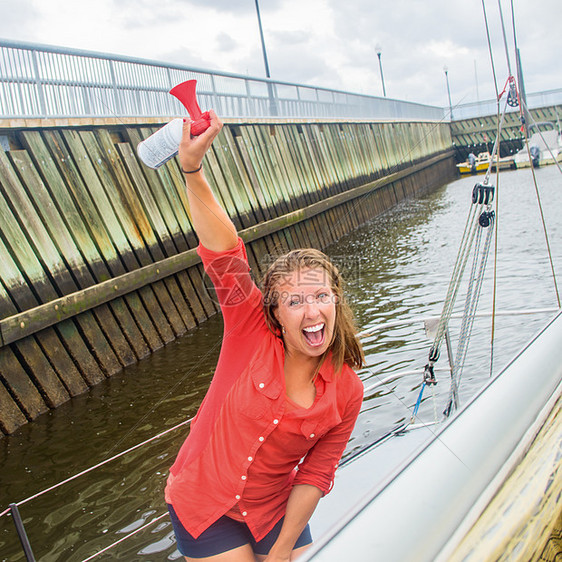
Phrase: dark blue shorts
[226,534]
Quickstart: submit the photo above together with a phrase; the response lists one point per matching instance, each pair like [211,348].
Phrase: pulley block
[486,218]
[482,194]
[429,375]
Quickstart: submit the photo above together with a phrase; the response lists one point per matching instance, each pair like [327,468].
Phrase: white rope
[407,321]
[472,228]
[469,315]
[126,537]
[59,484]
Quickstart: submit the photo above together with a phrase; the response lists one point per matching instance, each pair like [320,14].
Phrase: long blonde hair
[345,345]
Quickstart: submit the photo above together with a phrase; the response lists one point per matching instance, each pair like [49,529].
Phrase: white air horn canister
[162,145]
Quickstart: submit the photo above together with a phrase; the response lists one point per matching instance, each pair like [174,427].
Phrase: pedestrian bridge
[39,81]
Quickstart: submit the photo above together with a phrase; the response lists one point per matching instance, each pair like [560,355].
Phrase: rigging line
[466,244]
[454,284]
[122,453]
[496,232]
[496,147]
[545,231]
[490,49]
[126,537]
[466,324]
[504,38]
[466,317]
[413,411]
[514,33]
[473,297]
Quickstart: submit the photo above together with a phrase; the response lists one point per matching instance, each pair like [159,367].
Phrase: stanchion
[21,533]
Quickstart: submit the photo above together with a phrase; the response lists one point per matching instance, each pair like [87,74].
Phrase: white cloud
[327,43]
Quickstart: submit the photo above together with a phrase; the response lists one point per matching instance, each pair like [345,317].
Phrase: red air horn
[185,93]
[159,147]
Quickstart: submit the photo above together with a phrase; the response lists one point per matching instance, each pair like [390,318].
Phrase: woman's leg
[298,551]
[242,553]
[263,547]
[294,555]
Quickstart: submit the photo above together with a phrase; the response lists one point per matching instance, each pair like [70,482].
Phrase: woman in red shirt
[266,441]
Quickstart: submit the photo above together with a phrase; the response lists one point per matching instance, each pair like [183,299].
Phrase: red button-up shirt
[249,444]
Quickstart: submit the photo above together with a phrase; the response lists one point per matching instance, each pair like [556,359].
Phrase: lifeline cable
[525,111]
[122,453]
[545,231]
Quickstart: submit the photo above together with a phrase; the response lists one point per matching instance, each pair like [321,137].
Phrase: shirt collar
[327,369]
[269,364]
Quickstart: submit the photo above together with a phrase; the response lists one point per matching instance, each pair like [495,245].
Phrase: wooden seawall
[97,252]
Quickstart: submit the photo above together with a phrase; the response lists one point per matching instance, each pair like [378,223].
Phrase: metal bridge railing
[45,81]
[489,107]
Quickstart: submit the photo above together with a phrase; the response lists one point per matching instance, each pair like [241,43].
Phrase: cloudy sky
[329,43]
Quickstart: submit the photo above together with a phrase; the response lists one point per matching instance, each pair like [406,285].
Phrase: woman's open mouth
[314,335]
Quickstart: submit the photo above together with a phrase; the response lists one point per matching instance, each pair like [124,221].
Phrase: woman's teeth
[316,328]
[314,334]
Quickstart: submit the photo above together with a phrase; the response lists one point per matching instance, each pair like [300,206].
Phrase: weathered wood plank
[11,417]
[53,256]
[16,285]
[168,183]
[61,236]
[90,231]
[166,222]
[24,392]
[137,227]
[255,195]
[286,191]
[255,171]
[242,198]
[106,220]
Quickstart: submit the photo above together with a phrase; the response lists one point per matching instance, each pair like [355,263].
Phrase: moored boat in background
[545,146]
[481,163]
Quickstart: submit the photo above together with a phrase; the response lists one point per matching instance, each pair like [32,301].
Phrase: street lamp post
[379,52]
[272,104]
[446,71]
[262,41]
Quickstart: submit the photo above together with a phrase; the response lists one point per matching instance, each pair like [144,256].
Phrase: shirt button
[250,459]
[261,385]
[244,513]
[261,438]
[237,497]
[311,435]
[275,422]
[243,477]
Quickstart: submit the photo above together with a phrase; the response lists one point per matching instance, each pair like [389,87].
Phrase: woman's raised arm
[212,225]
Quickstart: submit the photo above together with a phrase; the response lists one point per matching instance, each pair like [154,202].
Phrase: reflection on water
[397,267]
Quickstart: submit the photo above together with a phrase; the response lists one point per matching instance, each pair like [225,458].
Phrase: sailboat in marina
[544,146]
